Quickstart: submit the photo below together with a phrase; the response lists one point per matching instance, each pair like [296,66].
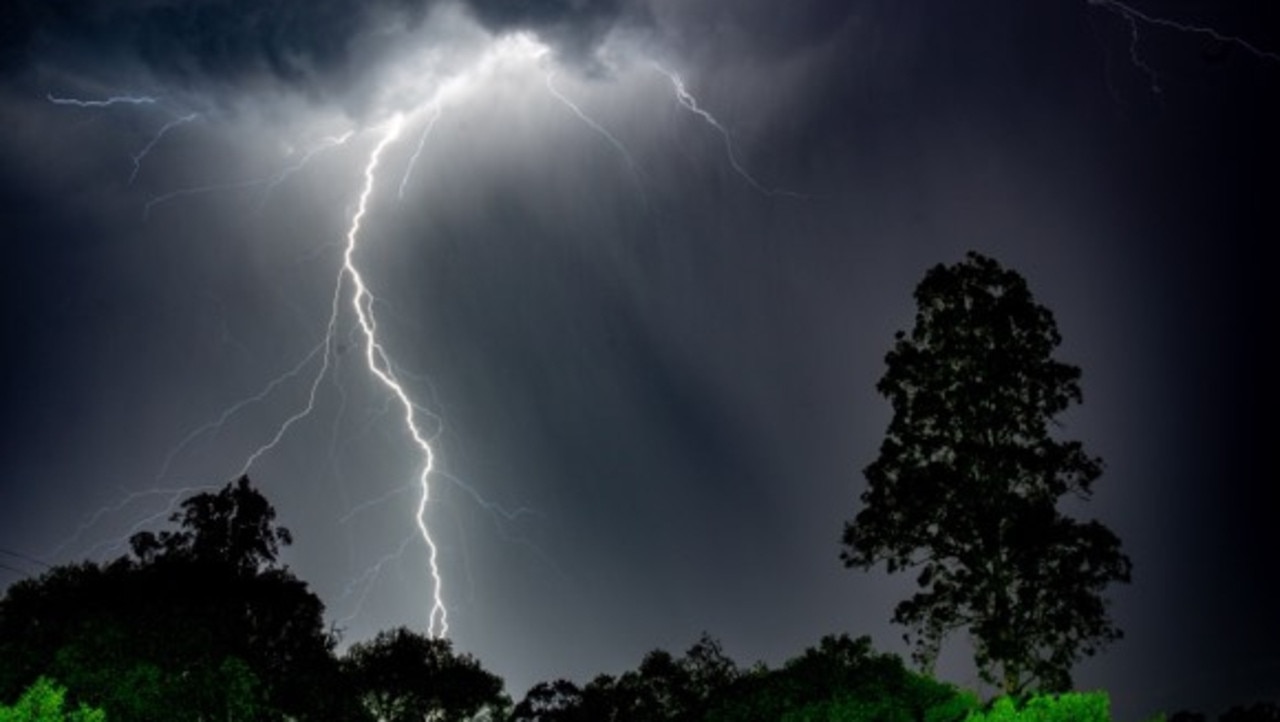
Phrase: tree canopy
[43,701]
[967,482]
[404,676]
[664,687]
[233,529]
[201,614]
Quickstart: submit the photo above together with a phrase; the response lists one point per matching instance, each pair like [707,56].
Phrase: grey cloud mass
[234,45]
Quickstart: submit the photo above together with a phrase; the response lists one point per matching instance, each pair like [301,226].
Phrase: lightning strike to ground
[375,356]
[362,302]
[380,366]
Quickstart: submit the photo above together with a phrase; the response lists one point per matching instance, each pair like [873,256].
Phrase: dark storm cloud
[574,27]
[758,29]
[305,46]
[229,40]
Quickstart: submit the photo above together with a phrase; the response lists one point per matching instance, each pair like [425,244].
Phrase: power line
[15,570]
[25,558]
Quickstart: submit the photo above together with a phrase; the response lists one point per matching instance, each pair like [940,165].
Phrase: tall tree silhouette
[968,478]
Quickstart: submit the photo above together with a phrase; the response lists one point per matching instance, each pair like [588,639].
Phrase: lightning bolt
[146,149]
[306,410]
[106,102]
[436,112]
[171,496]
[361,301]
[1133,15]
[268,183]
[377,362]
[690,103]
[286,172]
[352,296]
[591,123]
[364,582]
[235,408]
[380,366]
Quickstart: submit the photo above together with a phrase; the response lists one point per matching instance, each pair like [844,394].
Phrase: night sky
[644,347]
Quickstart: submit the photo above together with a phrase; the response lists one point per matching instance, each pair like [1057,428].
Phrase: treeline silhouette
[202,623]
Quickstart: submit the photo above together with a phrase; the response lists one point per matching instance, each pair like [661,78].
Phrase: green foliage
[954,708]
[1066,707]
[101,666]
[841,679]
[43,702]
[966,485]
[884,709]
